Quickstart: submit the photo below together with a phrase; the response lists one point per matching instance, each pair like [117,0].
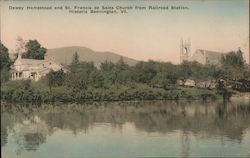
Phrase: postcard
[125,78]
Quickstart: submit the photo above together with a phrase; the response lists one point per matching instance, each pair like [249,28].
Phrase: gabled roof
[35,64]
[211,56]
[30,61]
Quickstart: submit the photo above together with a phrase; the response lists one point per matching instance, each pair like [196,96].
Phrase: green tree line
[120,81]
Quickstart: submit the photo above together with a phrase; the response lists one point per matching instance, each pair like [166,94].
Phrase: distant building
[33,69]
[207,57]
[200,55]
[185,50]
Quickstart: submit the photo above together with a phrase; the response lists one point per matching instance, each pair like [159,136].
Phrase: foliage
[5,63]
[233,66]
[34,50]
[75,62]
[55,78]
[118,81]
[234,59]
[5,74]
[4,57]
[107,66]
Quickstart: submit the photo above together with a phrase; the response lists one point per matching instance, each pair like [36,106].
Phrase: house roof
[30,61]
[35,64]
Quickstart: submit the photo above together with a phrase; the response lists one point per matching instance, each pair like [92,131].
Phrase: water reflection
[29,125]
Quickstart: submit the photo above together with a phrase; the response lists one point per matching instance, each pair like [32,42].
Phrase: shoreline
[87,102]
[241,96]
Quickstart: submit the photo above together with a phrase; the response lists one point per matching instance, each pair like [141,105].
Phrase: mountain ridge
[64,55]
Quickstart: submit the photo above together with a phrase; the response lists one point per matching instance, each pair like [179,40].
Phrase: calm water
[126,129]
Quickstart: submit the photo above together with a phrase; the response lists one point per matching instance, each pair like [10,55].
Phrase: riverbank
[241,96]
[23,91]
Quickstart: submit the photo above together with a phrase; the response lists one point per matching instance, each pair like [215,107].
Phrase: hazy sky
[219,25]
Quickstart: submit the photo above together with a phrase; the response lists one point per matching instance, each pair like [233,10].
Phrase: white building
[200,55]
[207,57]
[33,69]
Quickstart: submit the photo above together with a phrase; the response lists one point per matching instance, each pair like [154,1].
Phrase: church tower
[185,50]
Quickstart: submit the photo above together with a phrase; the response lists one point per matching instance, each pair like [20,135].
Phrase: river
[126,129]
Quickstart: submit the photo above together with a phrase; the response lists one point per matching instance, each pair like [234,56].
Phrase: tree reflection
[33,140]
[4,135]
[32,125]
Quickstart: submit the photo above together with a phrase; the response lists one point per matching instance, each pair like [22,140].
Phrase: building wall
[199,56]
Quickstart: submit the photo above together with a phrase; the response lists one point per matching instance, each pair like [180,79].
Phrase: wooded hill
[64,55]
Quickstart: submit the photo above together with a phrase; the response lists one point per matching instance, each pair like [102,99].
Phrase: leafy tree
[161,80]
[96,79]
[34,50]
[55,78]
[5,74]
[145,71]
[5,59]
[80,78]
[5,63]
[197,71]
[233,66]
[234,59]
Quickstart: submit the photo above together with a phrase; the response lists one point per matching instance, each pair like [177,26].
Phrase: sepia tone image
[125,78]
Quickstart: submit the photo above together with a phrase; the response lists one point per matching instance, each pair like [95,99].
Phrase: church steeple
[185,50]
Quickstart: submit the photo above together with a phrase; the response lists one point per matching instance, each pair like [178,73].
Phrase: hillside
[64,55]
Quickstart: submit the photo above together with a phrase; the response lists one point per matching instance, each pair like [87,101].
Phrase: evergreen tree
[75,62]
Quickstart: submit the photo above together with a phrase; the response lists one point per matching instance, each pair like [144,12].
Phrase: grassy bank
[26,91]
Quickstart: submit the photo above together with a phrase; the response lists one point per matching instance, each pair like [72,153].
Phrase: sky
[217,25]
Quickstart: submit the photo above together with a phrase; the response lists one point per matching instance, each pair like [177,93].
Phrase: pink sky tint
[211,25]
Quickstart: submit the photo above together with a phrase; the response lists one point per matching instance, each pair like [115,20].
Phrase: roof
[31,61]
[35,64]
[211,56]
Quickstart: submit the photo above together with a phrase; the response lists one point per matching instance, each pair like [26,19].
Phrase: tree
[55,78]
[34,50]
[5,59]
[75,59]
[75,62]
[145,71]
[107,66]
[5,63]
[96,79]
[234,59]
[233,66]
[121,64]
[80,78]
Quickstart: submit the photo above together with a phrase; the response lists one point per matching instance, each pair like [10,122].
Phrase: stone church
[200,55]
[33,69]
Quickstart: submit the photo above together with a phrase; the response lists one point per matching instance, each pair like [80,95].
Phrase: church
[200,55]
[33,69]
